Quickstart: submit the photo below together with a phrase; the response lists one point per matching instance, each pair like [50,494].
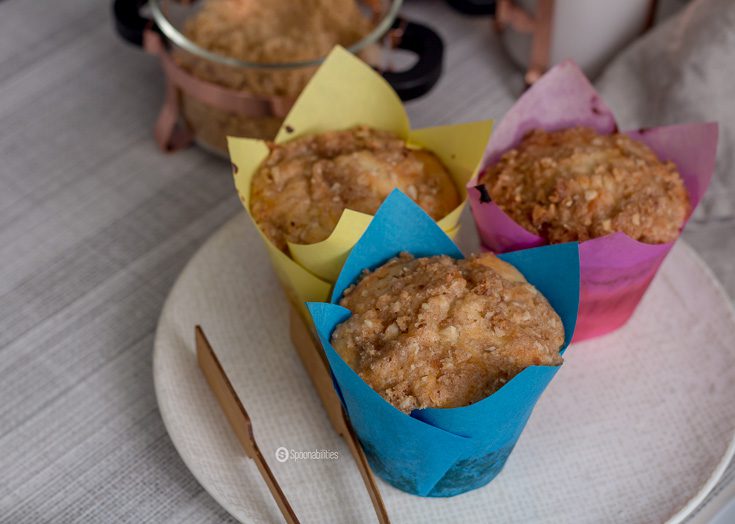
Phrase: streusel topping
[440,332]
[302,188]
[576,184]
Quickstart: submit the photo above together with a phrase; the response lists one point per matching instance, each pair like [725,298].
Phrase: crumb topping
[300,191]
[440,332]
[576,184]
[273,31]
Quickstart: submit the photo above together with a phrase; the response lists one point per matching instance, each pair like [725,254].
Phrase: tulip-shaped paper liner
[346,92]
[615,269]
[441,452]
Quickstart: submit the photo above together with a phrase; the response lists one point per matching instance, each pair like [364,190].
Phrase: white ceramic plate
[636,427]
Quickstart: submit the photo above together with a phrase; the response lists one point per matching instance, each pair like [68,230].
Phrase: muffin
[443,332]
[439,332]
[301,189]
[576,184]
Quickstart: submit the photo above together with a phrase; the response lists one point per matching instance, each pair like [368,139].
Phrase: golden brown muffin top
[577,184]
[440,332]
[300,191]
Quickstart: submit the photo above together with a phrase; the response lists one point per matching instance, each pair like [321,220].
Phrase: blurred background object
[235,68]
[541,33]
[538,34]
[682,71]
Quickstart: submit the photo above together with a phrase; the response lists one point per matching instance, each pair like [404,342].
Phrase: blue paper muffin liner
[442,452]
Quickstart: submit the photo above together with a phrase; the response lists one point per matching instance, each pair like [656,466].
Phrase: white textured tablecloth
[95,225]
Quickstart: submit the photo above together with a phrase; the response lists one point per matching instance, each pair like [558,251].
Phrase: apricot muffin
[443,333]
[300,191]
[576,184]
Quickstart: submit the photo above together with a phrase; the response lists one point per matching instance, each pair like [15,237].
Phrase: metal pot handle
[474,7]
[425,73]
[129,23]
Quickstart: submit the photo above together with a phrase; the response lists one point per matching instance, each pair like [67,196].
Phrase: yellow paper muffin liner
[345,92]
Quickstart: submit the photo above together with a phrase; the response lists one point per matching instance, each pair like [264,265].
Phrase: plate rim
[719,470]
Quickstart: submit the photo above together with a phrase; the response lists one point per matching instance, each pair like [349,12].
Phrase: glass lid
[171,15]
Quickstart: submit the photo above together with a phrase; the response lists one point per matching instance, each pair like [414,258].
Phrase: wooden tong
[238,418]
[315,364]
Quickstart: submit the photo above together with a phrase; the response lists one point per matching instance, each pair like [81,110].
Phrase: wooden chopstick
[238,418]
[316,365]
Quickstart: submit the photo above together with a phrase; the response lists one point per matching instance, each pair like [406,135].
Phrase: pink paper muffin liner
[615,270]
